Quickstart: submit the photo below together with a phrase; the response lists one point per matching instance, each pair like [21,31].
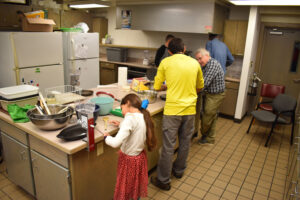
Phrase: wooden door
[277,55]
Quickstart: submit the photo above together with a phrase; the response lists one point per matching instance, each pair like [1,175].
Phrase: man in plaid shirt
[214,93]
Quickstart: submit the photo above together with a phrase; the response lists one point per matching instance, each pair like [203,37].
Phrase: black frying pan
[75,132]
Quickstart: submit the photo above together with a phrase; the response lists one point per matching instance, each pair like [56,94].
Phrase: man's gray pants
[173,126]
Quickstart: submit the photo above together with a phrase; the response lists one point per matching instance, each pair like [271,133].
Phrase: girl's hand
[114,122]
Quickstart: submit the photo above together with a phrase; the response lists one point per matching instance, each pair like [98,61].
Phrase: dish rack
[63,94]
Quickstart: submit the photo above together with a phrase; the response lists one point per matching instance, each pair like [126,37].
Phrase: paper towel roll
[122,76]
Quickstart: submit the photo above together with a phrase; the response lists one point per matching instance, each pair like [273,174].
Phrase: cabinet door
[241,37]
[107,74]
[17,160]
[51,180]
[230,31]
[235,32]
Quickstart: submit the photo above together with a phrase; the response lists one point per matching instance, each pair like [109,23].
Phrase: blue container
[105,103]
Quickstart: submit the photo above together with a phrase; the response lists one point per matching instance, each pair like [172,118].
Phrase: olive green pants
[211,104]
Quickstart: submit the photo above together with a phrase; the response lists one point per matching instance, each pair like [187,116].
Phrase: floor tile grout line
[239,126]
[263,167]
[201,147]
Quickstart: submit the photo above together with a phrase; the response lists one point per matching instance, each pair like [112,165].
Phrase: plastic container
[18,91]
[81,107]
[22,102]
[105,103]
[116,54]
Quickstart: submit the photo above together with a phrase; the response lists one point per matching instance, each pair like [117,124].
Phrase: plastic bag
[83,26]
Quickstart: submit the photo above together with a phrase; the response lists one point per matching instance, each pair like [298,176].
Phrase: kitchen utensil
[51,122]
[43,103]
[65,94]
[39,110]
[62,110]
[75,132]
[151,95]
[87,93]
[81,107]
[105,119]
[105,103]
[109,94]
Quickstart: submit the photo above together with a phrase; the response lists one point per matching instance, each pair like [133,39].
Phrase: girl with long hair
[135,130]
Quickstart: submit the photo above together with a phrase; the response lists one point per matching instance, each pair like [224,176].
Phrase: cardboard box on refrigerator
[37,24]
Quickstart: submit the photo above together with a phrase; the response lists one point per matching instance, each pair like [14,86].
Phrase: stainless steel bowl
[51,122]
[151,95]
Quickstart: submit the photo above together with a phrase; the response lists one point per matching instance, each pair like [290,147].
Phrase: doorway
[280,59]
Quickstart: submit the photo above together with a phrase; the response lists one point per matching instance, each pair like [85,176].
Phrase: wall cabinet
[108,73]
[52,181]
[235,32]
[17,160]
[100,25]
[229,103]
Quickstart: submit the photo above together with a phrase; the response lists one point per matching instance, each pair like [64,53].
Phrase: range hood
[193,17]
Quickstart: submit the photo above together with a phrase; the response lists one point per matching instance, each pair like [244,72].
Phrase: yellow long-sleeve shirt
[183,75]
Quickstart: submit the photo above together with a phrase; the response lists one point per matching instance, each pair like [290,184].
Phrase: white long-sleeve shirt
[131,136]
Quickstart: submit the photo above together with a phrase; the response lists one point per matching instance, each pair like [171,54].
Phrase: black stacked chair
[284,107]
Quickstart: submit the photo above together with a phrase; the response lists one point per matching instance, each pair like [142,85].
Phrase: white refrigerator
[31,58]
[81,59]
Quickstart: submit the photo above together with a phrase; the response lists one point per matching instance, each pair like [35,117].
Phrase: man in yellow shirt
[184,80]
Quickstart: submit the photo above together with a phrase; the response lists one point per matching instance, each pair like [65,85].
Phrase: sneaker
[159,184]
[176,175]
[205,142]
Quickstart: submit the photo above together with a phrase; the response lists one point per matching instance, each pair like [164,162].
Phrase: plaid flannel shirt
[213,77]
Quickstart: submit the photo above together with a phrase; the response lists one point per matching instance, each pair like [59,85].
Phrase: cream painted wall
[249,57]
[149,38]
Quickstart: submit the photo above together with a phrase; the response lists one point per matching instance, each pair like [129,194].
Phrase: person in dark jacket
[162,52]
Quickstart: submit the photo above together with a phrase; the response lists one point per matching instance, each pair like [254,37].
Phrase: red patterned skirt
[132,177]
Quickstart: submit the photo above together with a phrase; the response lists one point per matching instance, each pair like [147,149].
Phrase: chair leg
[292,133]
[250,124]
[269,136]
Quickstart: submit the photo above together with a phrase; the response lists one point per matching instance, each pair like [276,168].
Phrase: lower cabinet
[229,103]
[17,160]
[108,73]
[52,181]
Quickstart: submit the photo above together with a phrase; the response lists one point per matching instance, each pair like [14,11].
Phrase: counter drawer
[107,65]
[13,132]
[49,151]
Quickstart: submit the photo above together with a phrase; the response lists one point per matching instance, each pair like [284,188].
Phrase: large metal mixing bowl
[151,95]
[51,122]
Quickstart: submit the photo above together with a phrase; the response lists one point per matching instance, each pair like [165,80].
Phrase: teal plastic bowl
[105,103]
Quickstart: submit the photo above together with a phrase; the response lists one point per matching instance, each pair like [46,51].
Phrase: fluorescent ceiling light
[266,2]
[92,5]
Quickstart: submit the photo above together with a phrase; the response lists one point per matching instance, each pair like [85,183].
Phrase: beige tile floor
[238,166]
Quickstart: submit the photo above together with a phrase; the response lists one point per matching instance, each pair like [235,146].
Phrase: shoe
[159,184]
[176,175]
[205,142]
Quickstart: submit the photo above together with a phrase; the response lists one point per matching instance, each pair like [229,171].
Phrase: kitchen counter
[133,62]
[75,146]
[77,173]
